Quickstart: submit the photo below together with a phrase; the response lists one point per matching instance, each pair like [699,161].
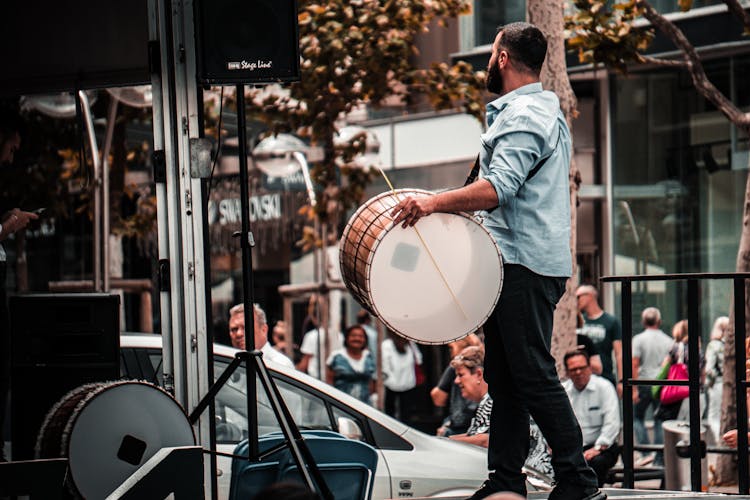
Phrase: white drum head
[409,293]
[117,430]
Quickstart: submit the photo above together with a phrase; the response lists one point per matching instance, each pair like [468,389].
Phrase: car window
[308,410]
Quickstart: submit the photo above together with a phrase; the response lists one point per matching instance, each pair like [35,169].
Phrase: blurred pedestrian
[447,392]
[365,321]
[351,369]
[11,222]
[714,375]
[402,362]
[260,337]
[678,355]
[649,349]
[604,330]
[280,339]
[586,344]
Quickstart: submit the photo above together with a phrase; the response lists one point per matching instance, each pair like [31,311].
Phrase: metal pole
[695,384]
[741,385]
[159,88]
[97,250]
[246,243]
[627,388]
[111,117]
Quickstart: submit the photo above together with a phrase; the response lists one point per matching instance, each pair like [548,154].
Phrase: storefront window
[679,171]
[489,14]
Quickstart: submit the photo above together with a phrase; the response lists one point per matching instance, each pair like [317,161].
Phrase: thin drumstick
[427,249]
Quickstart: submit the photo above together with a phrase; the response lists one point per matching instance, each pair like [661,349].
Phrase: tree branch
[695,67]
[670,63]
[735,8]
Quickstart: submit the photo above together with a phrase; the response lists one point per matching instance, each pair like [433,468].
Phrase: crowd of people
[593,373]
[594,383]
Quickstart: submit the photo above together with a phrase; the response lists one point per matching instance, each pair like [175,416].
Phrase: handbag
[675,393]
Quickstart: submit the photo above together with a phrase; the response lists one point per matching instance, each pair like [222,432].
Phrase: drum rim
[377,242]
[67,434]
[348,227]
[52,414]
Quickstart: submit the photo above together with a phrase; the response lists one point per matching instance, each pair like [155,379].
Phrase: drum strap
[475,169]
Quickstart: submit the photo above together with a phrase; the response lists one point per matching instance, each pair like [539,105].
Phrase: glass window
[308,410]
[489,14]
[679,175]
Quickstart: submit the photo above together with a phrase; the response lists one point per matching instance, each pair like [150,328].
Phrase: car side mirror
[349,428]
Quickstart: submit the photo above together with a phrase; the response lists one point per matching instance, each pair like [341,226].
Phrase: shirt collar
[496,106]
[589,387]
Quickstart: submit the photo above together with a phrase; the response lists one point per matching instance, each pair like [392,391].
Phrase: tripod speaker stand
[252,358]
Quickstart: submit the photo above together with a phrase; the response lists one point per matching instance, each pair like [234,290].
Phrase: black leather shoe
[484,491]
[567,491]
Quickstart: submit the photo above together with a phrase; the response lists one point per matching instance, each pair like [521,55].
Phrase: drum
[111,431]
[434,289]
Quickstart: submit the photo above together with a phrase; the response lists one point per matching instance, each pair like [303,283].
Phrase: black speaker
[58,342]
[246,41]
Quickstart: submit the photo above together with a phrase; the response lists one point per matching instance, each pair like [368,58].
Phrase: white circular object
[434,289]
[116,429]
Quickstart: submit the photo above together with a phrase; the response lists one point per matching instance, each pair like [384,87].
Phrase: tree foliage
[357,53]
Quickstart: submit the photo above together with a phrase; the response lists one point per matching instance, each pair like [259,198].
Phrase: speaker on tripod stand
[246,41]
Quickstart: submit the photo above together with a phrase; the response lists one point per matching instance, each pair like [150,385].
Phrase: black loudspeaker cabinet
[247,41]
[58,342]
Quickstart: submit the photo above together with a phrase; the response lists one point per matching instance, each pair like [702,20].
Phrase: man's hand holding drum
[477,196]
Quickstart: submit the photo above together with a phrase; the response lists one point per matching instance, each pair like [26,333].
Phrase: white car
[410,463]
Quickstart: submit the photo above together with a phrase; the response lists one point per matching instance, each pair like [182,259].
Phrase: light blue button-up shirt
[531,223]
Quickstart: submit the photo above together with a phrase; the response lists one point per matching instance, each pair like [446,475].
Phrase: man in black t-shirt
[604,331]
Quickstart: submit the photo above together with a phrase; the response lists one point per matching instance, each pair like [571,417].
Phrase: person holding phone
[11,222]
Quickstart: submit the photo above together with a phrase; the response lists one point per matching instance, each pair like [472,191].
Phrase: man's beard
[494,80]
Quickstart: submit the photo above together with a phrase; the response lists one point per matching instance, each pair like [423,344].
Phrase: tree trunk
[547,15]
[726,465]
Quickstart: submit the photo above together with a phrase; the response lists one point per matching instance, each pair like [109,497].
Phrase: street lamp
[350,133]
[282,155]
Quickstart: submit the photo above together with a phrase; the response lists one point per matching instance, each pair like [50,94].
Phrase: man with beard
[524,198]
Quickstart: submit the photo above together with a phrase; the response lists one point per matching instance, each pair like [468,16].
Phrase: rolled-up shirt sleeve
[513,154]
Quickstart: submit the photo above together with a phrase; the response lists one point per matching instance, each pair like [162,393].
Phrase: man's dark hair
[526,45]
[363,317]
[573,354]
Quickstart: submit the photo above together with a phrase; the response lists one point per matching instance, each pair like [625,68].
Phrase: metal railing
[693,382]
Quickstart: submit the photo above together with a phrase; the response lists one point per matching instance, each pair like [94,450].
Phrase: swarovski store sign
[264,207]
[274,214]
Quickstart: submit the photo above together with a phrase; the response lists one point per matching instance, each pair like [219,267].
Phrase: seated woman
[351,369]
[469,366]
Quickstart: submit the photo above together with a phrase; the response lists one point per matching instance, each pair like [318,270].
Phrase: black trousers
[402,405]
[604,461]
[523,381]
